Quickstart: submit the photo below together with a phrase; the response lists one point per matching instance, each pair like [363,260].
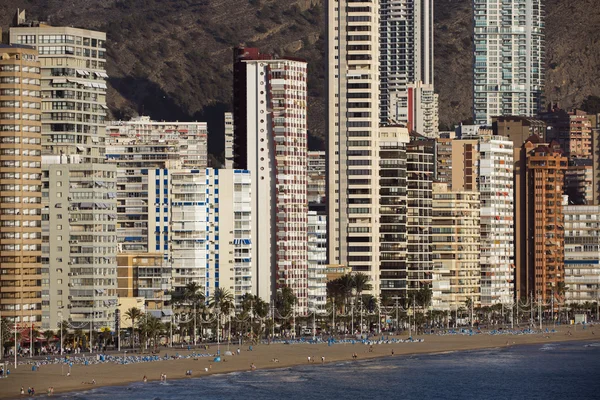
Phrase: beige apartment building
[78,188]
[455,245]
[353,123]
[20,185]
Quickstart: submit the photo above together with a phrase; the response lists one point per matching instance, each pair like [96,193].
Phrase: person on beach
[392,351]
[22,390]
[145,379]
[309,359]
[252,366]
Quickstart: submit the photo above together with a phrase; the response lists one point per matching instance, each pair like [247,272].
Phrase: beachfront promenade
[76,372]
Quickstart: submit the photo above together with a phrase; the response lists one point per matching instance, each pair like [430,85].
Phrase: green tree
[285,301]
[360,283]
[133,314]
[152,328]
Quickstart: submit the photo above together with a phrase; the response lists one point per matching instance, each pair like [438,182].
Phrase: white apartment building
[496,188]
[270,100]
[582,254]
[317,261]
[455,246]
[353,124]
[509,70]
[406,58]
[210,221]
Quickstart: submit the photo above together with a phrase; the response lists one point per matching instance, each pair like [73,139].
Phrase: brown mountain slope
[172,58]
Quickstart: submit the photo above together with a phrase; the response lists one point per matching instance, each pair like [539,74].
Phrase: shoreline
[112,374]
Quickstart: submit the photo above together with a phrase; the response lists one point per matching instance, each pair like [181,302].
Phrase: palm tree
[360,283]
[222,299]
[133,314]
[152,328]
[192,293]
[223,303]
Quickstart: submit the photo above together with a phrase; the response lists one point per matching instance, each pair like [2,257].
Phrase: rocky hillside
[172,58]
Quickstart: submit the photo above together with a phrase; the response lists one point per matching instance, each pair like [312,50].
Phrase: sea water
[544,371]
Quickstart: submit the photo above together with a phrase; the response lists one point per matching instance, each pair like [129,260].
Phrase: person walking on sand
[145,379]
[22,390]
[252,366]
[309,359]
[322,360]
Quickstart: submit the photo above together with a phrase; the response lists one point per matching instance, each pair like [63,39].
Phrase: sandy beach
[110,374]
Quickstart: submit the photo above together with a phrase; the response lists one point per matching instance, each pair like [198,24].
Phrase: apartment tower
[78,189]
[509,67]
[20,186]
[353,122]
[270,141]
[545,268]
[406,58]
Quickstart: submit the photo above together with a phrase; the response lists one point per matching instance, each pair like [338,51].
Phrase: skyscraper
[353,121]
[509,65]
[270,140]
[20,185]
[406,58]
[78,189]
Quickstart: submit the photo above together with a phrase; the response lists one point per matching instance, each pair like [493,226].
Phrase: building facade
[406,65]
[545,268]
[455,231]
[393,202]
[582,255]
[496,190]
[317,261]
[79,259]
[509,59]
[209,230]
[352,126]
[20,186]
[420,156]
[270,103]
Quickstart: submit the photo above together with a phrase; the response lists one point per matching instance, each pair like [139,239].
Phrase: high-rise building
[73,88]
[78,189]
[317,261]
[420,161]
[393,199]
[582,255]
[20,185]
[544,240]
[518,130]
[270,103]
[352,126]
[138,148]
[509,62]
[455,246]
[80,245]
[209,230]
[406,65]
[496,191]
